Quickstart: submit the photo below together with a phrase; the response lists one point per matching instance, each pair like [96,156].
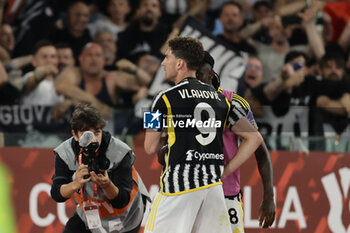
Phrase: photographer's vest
[113,220]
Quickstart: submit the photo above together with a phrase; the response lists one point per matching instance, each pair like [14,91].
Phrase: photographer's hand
[79,176]
[110,190]
[67,190]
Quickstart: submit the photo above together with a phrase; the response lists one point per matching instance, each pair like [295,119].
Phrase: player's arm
[262,156]
[164,148]
[153,139]
[251,140]
[241,122]
[263,159]
[267,208]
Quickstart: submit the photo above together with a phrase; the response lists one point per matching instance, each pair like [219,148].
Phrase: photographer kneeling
[109,193]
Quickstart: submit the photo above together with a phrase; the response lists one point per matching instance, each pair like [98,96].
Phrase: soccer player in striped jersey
[231,184]
[194,115]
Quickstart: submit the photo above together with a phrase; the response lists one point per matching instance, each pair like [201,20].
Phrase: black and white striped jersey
[194,115]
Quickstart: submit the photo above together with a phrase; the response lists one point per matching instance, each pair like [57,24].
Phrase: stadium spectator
[253,75]
[107,41]
[39,84]
[76,35]
[150,64]
[147,62]
[146,34]
[333,97]
[65,56]
[7,42]
[325,96]
[258,29]
[7,45]
[278,93]
[92,84]
[261,10]
[232,21]
[130,98]
[115,20]
[272,56]
[65,59]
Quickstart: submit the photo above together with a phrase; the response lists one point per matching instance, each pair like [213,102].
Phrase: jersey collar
[189,79]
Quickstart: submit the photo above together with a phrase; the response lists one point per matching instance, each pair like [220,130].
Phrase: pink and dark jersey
[231,184]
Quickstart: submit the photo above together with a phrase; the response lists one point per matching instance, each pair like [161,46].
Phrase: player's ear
[179,63]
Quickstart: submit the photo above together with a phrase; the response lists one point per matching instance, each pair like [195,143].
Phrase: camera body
[96,163]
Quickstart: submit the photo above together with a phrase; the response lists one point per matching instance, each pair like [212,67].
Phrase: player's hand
[225,174]
[79,176]
[101,180]
[162,154]
[164,148]
[267,213]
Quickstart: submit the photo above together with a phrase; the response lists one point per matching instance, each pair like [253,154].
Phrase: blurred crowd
[58,53]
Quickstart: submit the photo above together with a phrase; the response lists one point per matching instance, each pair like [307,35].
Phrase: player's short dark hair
[85,117]
[208,59]
[41,43]
[231,3]
[189,49]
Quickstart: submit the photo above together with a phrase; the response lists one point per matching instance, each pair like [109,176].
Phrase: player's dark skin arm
[267,208]
[161,154]
[164,149]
